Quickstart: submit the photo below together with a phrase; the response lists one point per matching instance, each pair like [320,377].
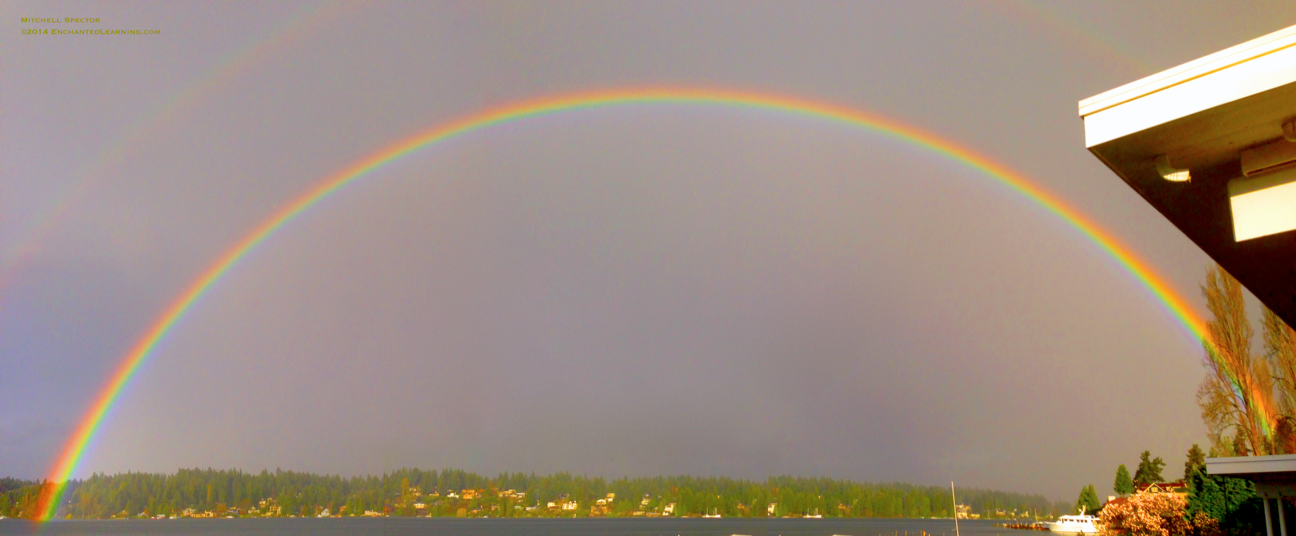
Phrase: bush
[1155,514]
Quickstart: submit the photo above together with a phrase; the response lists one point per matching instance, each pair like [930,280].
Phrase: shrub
[1155,514]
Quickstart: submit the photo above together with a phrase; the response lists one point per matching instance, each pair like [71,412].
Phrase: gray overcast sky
[639,291]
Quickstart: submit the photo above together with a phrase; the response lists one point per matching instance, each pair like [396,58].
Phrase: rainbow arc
[74,451]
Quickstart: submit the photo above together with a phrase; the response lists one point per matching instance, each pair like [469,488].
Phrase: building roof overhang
[1274,476]
[1201,116]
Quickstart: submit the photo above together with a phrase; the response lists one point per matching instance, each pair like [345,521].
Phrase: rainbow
[72,454]
[1062,29]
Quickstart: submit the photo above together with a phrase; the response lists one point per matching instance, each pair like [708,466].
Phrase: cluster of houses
[601,507]
[266,507]
[964,511]
[565,504]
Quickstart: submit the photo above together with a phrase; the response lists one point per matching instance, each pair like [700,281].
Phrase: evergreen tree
[1196,462]
[1088,501]
[1239,445]
[1124,485]
[1149,470]
[1231,501]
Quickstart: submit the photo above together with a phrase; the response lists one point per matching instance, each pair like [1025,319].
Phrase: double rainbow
[72,454]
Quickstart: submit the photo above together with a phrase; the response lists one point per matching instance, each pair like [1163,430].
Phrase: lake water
[534,527]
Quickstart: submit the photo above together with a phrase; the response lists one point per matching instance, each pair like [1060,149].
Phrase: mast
[956,531]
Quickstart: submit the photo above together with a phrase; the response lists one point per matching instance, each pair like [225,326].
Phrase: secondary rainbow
[71,456]
[18,251]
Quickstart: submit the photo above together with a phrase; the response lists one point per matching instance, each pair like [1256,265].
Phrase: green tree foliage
[291,493]
[1149,469]
[1124,485]
[18,498]
[1088,501]
[1231,501]
[1195,463]
[9,484]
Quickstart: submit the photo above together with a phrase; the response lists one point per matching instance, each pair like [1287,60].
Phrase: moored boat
[1081,524]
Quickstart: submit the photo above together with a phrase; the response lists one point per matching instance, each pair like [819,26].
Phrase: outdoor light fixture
[1169,172]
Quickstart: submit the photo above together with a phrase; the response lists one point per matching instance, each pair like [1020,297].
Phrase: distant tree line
[442,493]
[8,484]
[17,496]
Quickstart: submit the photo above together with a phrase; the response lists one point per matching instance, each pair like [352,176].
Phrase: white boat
[1081,524]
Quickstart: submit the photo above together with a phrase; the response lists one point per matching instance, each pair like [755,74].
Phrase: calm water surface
[537,527]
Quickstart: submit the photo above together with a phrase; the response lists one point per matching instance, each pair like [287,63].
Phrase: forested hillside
[451,492]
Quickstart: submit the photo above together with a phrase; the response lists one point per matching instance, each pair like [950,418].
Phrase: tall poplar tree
[1236,397]
[1280,350]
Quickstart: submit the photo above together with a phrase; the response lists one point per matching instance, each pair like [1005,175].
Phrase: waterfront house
[1163,487]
